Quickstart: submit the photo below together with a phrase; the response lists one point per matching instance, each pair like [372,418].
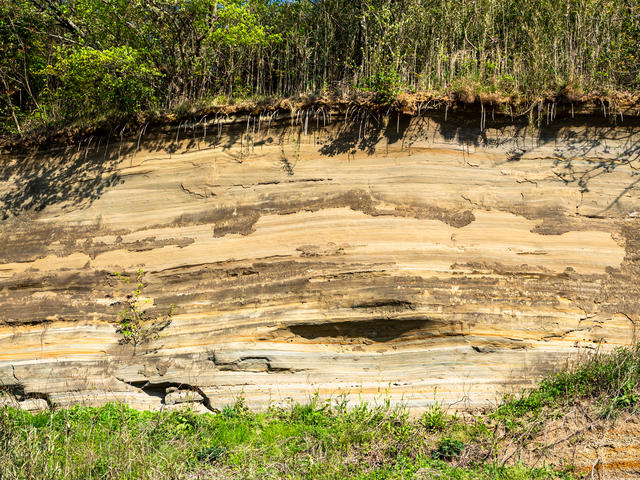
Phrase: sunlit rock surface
[367,257]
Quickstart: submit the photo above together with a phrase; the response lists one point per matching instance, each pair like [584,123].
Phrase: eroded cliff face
[362,256]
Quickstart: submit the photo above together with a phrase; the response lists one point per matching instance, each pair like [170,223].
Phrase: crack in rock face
[427,256]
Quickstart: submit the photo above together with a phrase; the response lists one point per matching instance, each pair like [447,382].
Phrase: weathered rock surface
[34,405]
[373,258]
[182,396]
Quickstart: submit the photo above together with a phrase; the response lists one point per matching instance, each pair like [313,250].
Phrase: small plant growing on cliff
[134,324]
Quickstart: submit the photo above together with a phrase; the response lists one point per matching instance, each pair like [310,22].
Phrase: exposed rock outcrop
[372,256]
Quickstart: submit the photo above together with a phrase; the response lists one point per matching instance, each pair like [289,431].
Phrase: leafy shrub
[386,83]
[447,449]
[91,82]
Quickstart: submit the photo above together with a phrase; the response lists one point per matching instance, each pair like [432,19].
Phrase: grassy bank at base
[327,439]
[320,440]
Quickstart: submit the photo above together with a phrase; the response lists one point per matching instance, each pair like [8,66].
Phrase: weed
[435,419]
[134,324]
[321,439]
[447,449]
[211,454]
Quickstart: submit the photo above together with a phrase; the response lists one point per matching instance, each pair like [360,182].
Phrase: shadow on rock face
[37,181]
[578,146]
[375,330]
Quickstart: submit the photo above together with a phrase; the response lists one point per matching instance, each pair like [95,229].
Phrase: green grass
[318,440]
[610,380]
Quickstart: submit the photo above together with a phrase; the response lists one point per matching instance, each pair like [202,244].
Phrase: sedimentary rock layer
[357,255]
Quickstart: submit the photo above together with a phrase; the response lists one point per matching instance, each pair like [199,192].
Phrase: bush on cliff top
[172,54]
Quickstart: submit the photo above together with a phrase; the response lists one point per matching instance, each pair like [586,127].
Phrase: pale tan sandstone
[182,396]
[370,261]
[34,405]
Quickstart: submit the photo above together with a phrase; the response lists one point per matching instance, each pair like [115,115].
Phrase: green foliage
[322,439]
[608,378]
[211,454]
[238,24]
[435,419]
[22,52]
[92,82]
[319,440]
[386,83]
[134,325]
[447,449]
[237,410]
[87,59]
